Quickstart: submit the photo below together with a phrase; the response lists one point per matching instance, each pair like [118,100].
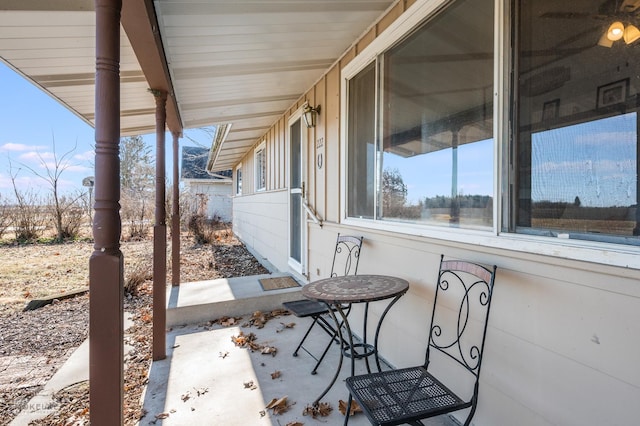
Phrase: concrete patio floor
[207,380]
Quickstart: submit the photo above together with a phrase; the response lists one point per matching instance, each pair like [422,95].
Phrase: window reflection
[420,124]
[576,150]
[437,146]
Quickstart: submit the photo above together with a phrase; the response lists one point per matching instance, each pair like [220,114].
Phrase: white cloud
[36,156]
[85,156]
[19,147]
[23,183]
[79,169]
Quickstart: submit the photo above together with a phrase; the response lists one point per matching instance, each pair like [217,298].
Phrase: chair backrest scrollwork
[346,255]
[461,312]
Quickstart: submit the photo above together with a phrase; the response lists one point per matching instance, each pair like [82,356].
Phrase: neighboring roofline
[219,176]
[201,180]
[222,130]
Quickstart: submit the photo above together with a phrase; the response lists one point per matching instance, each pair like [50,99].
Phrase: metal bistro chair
[346,257]
[409,394]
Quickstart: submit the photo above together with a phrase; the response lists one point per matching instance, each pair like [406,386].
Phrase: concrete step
[201,301]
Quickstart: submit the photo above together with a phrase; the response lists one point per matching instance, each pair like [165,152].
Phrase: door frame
[302,266]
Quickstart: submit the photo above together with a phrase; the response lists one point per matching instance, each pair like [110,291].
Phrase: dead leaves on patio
[258,320]
[323,409]
[278,405]
[355,408]
[249,341]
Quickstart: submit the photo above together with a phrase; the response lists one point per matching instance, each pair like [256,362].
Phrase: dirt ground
[34,344]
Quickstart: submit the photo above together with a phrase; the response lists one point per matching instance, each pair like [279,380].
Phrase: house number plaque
[319,152]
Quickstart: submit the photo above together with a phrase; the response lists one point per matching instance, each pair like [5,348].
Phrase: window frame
[260,159]
[516,244]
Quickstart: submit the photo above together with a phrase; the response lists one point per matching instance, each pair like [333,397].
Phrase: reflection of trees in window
[576,170]
[394,196]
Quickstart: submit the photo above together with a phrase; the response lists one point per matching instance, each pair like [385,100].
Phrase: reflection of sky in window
[428,175]
[595,161]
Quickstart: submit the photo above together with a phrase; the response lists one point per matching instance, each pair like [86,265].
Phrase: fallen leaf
[276,374]
[285,326]
[280,312]
[258,319]
[185,397]
[323,409]
[243,340]
[250,385]
[266,350]
[294,424]
[278,405]
[223,355]
[355,408]
[162,415]
[263,413]
[228,322]
[201,391]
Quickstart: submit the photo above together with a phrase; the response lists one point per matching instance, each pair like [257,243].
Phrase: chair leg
[470,416]
[315,320]
[346,413]
[334,338]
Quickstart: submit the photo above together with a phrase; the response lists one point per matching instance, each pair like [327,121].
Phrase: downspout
[106,265]
[160,235]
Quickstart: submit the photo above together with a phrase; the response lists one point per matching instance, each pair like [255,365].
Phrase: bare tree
[61,207]
[137,176]
[209,132]
[26,217]
[185,201]
[5,217]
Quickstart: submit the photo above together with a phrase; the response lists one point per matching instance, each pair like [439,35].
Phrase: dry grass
[35,271]
[38,270]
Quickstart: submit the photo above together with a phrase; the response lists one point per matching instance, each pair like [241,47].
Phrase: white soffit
[52,44]
[245,62]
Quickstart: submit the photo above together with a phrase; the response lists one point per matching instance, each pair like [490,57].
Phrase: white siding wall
[260,221]
[219,198]
[563,344]
[563,341]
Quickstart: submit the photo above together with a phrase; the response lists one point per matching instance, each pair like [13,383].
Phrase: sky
[31,123]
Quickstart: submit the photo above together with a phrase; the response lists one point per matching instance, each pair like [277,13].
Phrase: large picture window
[420,125]
[576,136]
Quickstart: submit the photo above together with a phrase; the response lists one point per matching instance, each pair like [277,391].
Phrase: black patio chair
[457,332]
[346,257]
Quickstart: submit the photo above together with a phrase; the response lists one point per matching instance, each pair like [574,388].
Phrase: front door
[297,177]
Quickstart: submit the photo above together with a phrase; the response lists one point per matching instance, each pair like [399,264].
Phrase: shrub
[137,275]
[203,229]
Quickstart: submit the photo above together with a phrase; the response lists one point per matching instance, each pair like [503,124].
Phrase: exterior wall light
[309,114]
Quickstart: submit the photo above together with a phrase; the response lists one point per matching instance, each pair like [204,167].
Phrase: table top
[355,288]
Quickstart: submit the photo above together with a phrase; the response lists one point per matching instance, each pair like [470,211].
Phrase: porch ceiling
[52,44]
[245,62]
[235,62]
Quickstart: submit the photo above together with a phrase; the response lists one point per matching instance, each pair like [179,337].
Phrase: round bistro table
[338,293]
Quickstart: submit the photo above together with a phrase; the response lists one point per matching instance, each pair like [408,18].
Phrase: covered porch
[138,66]
[391,82]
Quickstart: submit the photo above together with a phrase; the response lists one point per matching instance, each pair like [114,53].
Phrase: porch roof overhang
[234,64]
